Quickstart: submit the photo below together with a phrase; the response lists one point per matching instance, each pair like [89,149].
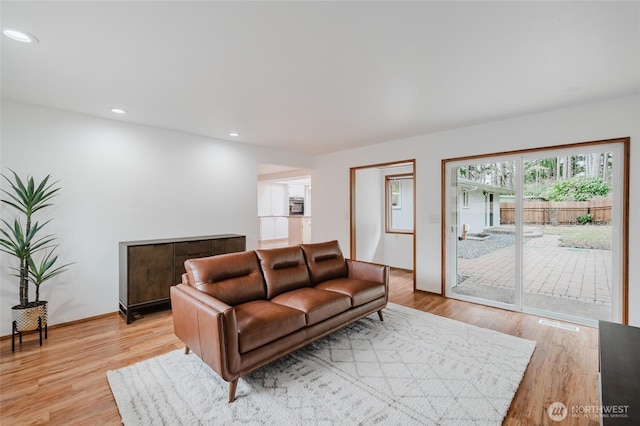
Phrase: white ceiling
[317,77]
[279,173]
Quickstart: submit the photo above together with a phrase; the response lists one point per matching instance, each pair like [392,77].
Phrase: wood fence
[557,212]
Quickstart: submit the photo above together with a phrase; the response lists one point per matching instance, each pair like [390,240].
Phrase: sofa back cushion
[325,261]
[284,270]
[233,278]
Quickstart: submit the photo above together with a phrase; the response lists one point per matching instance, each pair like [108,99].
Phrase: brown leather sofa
[241,311]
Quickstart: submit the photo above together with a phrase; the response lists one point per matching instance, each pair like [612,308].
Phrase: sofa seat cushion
[318,305]
[260,322]
[360,291]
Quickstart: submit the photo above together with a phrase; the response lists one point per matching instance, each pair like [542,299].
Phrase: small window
[396,195]
[399,203]
[465,199]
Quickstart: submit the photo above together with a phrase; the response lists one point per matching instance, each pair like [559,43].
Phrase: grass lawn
[582,236]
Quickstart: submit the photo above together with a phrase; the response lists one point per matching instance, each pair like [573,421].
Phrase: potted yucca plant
[23,239]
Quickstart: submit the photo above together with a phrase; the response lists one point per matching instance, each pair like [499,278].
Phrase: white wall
[124,182]
[398,251]
[598,121]
[402,216]
[398,248]
[373,243]
[369,214]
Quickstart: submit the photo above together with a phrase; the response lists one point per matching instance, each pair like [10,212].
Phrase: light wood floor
[64,381]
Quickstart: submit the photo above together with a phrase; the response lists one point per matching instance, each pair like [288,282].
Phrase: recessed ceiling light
[118,111]
[21,36]
[234,134]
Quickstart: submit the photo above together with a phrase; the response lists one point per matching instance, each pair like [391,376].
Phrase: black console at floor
[149,268]
[619,374]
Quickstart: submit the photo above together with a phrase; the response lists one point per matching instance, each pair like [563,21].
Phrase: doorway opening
[541,231]
[284,206]
[382,214]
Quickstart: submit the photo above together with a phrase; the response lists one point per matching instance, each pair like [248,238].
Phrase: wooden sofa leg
[186,350]
[232,390]
[380,315]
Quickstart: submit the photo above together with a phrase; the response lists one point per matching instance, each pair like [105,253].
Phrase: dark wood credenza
[619,348]
[149,268]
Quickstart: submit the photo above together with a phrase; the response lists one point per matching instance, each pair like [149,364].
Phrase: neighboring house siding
[474,215]
[403,215]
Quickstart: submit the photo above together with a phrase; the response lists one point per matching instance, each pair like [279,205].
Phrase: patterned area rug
[413,368]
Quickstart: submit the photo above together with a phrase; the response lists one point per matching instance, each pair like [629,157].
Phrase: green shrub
[577,189]
[585,219]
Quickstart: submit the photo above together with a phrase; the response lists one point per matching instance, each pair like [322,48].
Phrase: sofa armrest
[207,326]
[216,304]
[368,271]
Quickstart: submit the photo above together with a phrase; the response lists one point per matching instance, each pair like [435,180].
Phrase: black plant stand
[15,333]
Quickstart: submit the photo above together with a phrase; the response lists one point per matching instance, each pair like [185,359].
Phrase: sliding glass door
[483,253]
[539,231]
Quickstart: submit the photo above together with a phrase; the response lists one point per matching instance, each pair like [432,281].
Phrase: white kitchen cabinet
[272,199]
[279,200]
[306,230]
[282,228]
[264,199]
[267,228]
[296,190]
[273,228]
[299,230]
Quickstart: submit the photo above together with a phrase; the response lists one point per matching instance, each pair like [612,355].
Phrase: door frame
[624,214]
[352,206]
